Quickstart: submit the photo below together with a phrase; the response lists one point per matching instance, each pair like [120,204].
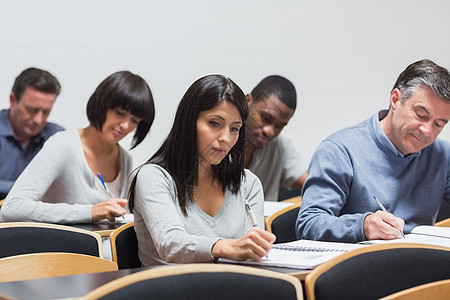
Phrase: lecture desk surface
[79,285]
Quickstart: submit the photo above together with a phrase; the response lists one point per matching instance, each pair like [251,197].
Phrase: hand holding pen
[106,208]
[254,245]
[382,224]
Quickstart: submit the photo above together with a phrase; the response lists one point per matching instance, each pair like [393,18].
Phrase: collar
[381,137]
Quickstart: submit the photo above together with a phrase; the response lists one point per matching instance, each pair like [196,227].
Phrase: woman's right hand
[254,245]
[109,209]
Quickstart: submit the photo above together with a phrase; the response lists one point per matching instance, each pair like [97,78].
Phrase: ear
[12,100]
[396,97]
[249,99]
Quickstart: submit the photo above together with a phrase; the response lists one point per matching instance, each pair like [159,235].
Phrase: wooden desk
[79,285]
[104,229]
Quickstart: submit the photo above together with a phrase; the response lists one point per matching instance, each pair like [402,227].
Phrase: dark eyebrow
[425,110]
[217,116]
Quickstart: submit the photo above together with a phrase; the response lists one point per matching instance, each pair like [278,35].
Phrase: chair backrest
[438,290]
[51,264]
[201,281]
[376,271]
[443,223]
[28,237]
[124,247]
[282,223]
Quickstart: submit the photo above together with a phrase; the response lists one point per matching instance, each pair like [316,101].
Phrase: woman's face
[118,124]
[217,132]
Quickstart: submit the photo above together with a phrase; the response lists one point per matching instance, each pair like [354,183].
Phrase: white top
[165,235]
[58,185]
[276,164]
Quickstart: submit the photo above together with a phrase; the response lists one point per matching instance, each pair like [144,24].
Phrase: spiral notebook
[301,254]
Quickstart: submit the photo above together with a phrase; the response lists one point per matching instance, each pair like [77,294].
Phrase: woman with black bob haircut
[63,183]
[189,198]
[130,93]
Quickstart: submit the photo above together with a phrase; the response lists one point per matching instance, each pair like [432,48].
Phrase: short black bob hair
[129,92]
[204,94]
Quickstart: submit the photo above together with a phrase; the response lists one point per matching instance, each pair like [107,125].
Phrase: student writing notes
[61,185]
[189,198]
[396,155]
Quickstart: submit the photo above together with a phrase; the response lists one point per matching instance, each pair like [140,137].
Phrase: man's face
[417,121]
[266,119]
[29,115]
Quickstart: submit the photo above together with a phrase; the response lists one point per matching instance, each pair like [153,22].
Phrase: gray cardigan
[165,235]
[58,185]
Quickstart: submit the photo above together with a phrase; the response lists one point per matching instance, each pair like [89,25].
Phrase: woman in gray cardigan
[189,200]
[61,184]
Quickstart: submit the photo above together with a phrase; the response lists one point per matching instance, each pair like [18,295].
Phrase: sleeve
[325,193]
[156,202]
[293,163]
[23,201]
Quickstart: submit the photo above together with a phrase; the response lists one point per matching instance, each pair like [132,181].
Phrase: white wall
[343,56]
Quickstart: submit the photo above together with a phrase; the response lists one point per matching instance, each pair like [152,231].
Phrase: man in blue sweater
[24,127]
[394,156]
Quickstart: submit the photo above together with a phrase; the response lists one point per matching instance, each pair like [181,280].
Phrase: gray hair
[424,72]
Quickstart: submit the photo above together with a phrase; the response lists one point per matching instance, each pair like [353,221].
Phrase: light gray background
[342,56]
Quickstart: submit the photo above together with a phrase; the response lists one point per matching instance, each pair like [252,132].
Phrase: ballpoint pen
[384,209]
[251,217]
[106,188]
[250,214]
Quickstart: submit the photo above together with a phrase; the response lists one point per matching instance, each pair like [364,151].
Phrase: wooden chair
[201,281]
[51,264]
[28,237]
[443,223]
[296,199]
[282,223]
[124,247]
[376,271]
[438,290]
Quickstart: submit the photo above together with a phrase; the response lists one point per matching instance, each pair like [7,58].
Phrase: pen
[251,217]
[106,188]
[250,214]
[384,209]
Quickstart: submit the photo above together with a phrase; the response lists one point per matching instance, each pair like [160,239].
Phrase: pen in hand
[250,214]
[384,209]
[106,188]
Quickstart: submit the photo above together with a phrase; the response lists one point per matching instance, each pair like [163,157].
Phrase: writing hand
[383,226]
[109,209]
[254,245]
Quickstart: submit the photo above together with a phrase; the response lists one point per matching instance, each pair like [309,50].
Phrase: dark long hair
[204,94]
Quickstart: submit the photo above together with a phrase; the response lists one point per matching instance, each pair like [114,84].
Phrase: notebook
[301,254]
[423,234]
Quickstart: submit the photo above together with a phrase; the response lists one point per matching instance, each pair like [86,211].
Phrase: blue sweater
[356,163]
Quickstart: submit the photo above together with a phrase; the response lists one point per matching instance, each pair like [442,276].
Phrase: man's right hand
[383,226]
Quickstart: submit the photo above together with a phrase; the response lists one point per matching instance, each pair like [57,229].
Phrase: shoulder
[64,142]
[250,179]
[153,173]
[350,135]
[50,129]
